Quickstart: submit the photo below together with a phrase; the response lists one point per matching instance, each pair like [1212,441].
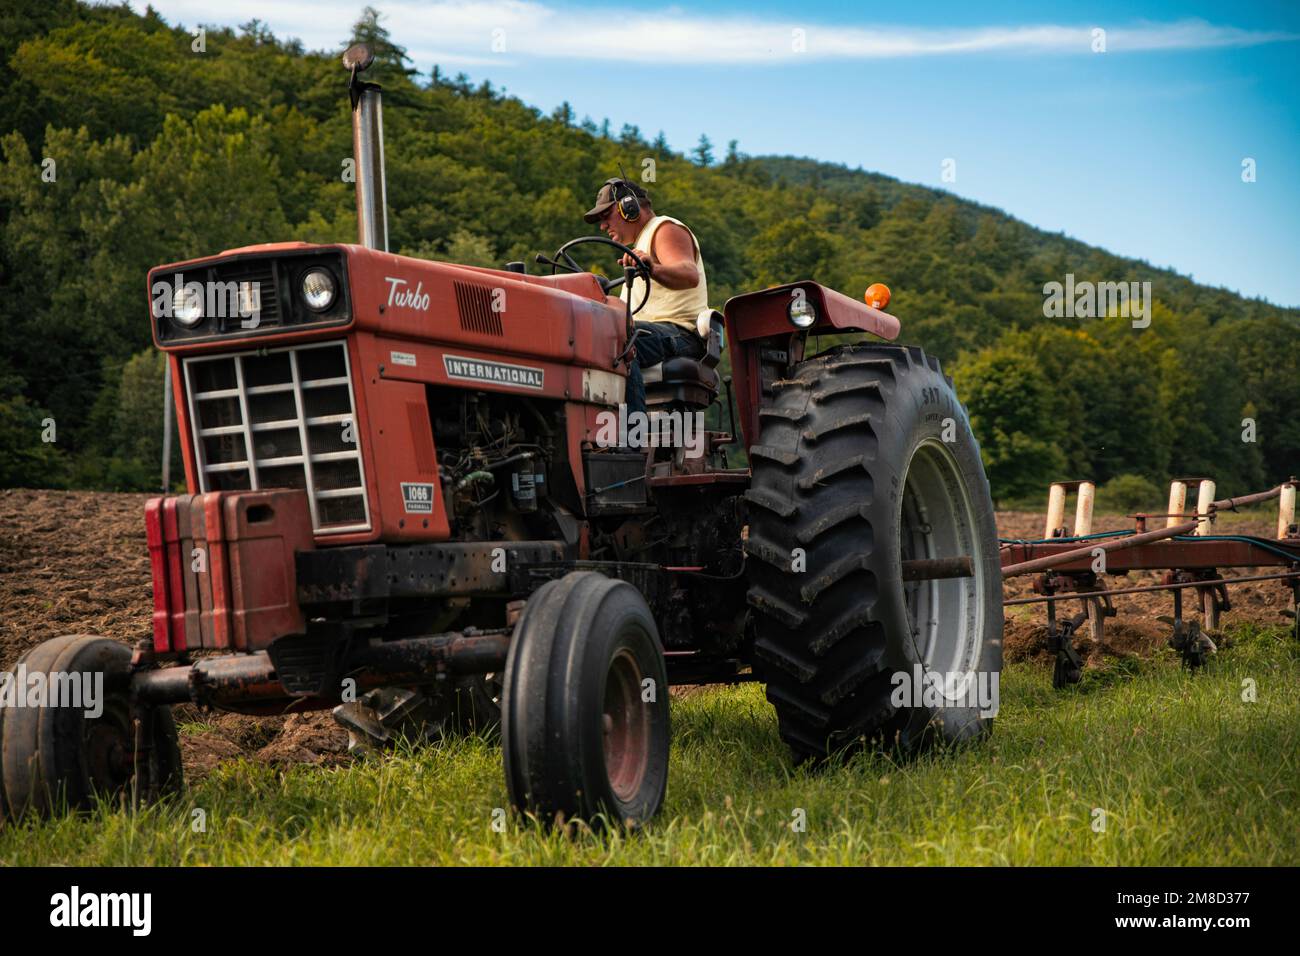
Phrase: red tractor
[400,507]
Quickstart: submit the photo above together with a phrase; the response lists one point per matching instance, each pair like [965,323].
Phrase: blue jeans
[658,341]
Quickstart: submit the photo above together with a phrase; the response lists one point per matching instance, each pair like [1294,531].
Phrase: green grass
[1185,770]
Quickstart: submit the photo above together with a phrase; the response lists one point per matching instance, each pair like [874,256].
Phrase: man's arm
[672,258]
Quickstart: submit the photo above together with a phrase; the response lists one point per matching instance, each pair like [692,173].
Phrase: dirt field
[72,562]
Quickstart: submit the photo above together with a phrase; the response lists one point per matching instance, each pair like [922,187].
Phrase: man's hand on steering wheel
[633,258]
[646,258]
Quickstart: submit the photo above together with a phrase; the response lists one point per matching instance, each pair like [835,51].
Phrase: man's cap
[605,198]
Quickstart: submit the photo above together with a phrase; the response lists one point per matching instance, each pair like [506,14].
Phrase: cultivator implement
[1072,566]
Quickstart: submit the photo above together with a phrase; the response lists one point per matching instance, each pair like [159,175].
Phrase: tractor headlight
[318,290]
[802,313]
[187,305]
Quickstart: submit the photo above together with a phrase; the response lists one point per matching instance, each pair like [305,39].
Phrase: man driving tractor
[678,290]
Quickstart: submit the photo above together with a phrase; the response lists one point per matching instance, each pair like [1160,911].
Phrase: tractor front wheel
[87,737]
[585,704]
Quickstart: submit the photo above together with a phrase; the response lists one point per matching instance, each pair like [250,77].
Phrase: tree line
[128,147]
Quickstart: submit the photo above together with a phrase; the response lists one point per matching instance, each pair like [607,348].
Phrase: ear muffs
[629,207]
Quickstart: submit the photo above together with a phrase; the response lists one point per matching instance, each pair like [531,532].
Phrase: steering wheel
[563,259]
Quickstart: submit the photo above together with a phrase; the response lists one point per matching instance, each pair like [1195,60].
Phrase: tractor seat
[686,382]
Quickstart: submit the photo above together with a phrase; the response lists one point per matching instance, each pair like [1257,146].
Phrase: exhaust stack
[368,150]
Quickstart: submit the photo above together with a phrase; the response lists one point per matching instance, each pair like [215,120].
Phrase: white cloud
[462,32]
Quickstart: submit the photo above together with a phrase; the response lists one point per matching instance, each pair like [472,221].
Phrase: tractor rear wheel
[584,723]
[865,460]
[51,756]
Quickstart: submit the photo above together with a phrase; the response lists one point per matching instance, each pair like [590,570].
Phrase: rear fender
[764,343]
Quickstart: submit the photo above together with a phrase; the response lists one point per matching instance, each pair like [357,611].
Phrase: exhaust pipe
[368,150]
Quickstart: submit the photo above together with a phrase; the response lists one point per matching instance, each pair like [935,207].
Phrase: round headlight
[318,290]
[187,305]
[802,313]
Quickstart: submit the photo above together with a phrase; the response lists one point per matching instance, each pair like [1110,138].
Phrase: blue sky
[1138,149]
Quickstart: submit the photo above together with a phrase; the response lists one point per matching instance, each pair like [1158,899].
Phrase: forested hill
[123,146]
[1176,291]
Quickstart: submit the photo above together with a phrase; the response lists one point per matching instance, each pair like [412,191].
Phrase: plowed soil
[76,562]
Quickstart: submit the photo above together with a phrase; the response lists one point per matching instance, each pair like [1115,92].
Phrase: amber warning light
[877,295]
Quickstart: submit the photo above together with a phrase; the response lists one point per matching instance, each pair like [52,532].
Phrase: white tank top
[679,306]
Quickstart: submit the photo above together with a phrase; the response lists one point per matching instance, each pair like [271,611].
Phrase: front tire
[585,704]
[51,756]
[866,459]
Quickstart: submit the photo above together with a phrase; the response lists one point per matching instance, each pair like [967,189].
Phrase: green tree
[27,458]
[1266,352]
[1127,494]
[790,250]
[390,58]
[136,461]
[703,151]
[470,249]
[1010,403]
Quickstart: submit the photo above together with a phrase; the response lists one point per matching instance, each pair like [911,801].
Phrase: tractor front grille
[294,409]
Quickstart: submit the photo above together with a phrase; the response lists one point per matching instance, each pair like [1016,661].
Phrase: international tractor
[400,507]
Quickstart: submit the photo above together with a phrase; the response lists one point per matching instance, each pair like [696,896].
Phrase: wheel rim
[110,750]
[945,616]
[626,725]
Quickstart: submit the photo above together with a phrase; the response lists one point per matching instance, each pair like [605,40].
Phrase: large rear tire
[52,756]
[866,459]
[585,704]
